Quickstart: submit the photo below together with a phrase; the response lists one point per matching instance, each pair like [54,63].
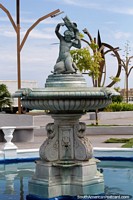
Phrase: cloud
[38,34]
[121,10]
[4,19]
[82,3]
[33,20]
[30,20]
[120,35]
[116,7]
[37,62]
[8,55]
[40,55]
[8,34]
[110,22]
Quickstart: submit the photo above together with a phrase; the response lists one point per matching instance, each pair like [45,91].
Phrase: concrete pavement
[96,140]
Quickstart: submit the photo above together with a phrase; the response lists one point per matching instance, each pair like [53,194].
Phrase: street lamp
[18,51]
[16,27]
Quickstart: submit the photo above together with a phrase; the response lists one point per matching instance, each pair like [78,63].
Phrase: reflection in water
[130,174]
[21,189]
[117,181]
[14,180]
[112,190]
[9,188]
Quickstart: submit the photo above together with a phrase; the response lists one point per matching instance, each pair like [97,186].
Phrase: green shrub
[117,99]
[5,97]
[114,107]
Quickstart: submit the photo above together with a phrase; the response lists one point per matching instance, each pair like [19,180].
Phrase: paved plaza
[96,140]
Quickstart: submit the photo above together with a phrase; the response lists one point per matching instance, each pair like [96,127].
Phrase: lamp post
[18,50]
[20,44]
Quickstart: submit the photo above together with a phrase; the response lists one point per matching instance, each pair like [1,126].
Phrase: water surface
[14,179]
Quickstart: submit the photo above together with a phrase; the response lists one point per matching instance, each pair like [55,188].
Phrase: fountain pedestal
[66,166]
[66,140]
[53,179]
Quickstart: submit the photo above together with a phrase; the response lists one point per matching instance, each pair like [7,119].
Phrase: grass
[92,124]
[128,141]
[108,125]
[117,140]
[129,144]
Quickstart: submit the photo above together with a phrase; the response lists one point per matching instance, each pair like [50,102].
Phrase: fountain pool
[118,178]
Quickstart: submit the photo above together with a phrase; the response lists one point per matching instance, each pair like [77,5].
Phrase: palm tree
[5,97]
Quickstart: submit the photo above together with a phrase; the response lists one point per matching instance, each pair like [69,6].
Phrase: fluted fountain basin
[59,99]
[65,93]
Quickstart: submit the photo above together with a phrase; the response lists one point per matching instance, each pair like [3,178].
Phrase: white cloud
[121,10]
[37,62]
[37,34]
[8,55]
[116,7]
[121,35]
[46,33]
[110,22]
[39,54]
[4,19]
[82,3]
[9,34]
[33,20]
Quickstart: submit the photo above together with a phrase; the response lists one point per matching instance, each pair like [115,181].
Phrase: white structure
[9,147]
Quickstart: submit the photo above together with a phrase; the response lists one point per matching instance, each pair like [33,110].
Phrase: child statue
[64,63]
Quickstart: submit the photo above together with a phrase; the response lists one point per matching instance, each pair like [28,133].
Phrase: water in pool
[14,178]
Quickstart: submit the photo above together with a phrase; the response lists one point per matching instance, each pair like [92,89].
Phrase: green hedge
[114,107]
[117,99]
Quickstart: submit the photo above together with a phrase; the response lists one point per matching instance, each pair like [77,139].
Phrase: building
[130,94]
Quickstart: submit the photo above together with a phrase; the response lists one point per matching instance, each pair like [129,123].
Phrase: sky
[113,18]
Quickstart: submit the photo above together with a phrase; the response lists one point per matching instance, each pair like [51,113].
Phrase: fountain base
[66,140]
[54,179]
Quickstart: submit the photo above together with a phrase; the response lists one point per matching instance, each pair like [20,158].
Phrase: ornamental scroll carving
[49,149]
[83,147]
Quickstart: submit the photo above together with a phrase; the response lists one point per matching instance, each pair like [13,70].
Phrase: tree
[125,63]
[87,62]
[5,97]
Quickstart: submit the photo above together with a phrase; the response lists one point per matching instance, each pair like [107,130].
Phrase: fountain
[66,165]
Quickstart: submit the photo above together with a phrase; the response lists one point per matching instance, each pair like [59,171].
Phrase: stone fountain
[66,165]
